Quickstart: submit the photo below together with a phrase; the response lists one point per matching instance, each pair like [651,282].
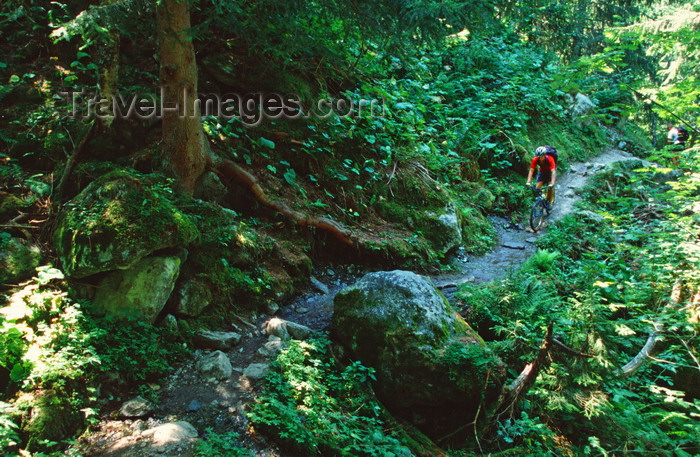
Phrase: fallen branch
[513,393]
[231,173]
[654,336]
[570,350]
[70,164]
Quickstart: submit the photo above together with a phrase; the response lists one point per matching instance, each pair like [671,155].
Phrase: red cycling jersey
[548,164]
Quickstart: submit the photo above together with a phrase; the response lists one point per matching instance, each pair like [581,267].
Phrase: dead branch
[569,350]
[70,164]
[513,393]
[231,173]
[654,336]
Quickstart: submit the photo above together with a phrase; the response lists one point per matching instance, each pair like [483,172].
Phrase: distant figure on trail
[546,159]
[677,136]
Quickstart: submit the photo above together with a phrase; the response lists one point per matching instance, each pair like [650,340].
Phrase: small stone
[319,286]
[194,406]
[272,308]
[136,407]
[302,309]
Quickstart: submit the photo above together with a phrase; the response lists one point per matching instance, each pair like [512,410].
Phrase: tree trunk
[183,138]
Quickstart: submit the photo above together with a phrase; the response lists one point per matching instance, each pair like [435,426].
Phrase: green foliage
[604,278]
[220,445]
[137,351]
[49,344]
[313,405]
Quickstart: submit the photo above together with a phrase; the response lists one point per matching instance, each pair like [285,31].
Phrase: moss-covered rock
[478,234]
[139,292]
[50,420]
[116,221]
[427,358]
[439,227]
[18,260]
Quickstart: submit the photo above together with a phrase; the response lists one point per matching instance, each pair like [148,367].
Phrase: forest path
[220,407]
[516,241]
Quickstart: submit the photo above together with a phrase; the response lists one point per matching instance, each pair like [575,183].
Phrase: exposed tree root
[231,173]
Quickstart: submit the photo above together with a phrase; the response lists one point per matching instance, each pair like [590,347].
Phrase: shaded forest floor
[220,408]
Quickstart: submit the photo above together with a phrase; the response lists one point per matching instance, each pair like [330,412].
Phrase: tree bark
[184,144]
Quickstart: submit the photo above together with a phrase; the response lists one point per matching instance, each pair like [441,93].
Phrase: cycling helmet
[541,151]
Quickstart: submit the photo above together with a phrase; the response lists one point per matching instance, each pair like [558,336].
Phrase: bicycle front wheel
[537,214]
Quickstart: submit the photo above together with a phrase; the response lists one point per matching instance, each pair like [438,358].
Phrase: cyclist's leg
[550,195]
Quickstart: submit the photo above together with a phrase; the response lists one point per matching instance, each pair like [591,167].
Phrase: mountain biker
[545,159]
[675,140]
[677,136]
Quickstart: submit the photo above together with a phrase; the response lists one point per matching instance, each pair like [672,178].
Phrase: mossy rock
[51,420]
[139,292]
[478,234]
[11,204]
[18,260]
[398,323]
[116,221]
[440,227]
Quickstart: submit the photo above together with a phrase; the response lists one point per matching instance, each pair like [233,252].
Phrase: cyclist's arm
[554,176]
[529,176]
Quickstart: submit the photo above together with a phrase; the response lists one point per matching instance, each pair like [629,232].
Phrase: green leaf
[267,143]
[290,176]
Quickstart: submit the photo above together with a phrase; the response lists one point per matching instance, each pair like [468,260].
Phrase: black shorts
[545,176]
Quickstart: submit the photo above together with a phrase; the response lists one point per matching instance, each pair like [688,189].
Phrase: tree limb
[513,393]
[233,173]
[70,164]
[654,336]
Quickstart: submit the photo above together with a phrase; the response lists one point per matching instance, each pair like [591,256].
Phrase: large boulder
[140,292]
[18,259]
[116,221]
[429,362]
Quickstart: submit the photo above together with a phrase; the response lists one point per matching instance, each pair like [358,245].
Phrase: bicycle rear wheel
[537,214]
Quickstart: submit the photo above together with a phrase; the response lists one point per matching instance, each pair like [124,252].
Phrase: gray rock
[256,371]
[580,108]
[169,434]
[169,322]
[193,296]
[194,405]
[136,407]
[272,308]
[271,348]
[398,323]
[286,330]
[139,292]
[318,285]
[215,366]
[208,339]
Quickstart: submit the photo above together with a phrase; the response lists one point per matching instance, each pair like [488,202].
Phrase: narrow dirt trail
[516,241]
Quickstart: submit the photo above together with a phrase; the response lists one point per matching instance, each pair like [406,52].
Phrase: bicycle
[540,207]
